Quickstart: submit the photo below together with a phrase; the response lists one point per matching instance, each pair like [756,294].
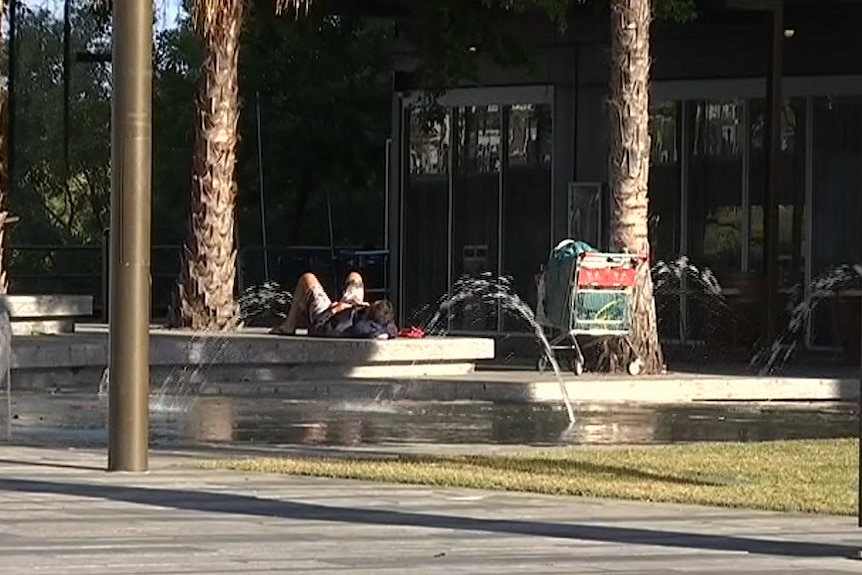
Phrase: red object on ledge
[412,333]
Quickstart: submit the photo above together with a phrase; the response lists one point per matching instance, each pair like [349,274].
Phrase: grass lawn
[806,476]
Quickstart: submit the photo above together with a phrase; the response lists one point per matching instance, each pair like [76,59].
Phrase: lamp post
[131,171]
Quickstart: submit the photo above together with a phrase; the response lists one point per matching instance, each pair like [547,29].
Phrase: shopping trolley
[588,294]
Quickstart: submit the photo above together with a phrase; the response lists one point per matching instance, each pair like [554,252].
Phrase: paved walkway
[60,513]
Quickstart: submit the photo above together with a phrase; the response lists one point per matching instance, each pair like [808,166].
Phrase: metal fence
[83,270]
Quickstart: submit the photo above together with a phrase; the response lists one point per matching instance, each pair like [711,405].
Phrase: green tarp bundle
[593,310]
[559,275]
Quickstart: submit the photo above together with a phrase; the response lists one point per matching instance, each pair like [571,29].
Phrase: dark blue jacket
[351,322]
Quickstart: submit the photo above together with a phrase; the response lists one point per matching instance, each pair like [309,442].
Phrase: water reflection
[80,421]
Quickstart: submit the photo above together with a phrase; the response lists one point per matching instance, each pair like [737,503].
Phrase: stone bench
[46,314]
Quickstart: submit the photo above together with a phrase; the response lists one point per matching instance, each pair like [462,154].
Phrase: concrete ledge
[249,347]
[74,360]
[43,327]
[40,306]
[662,389]
[490,387]
[46,314]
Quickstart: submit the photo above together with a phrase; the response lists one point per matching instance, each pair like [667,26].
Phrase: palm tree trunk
[629,165]
[4,167]
[206,298]
[4,190]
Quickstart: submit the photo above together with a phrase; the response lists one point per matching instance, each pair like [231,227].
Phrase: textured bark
[629,162]
[4,172]
[4,190]
[206,295]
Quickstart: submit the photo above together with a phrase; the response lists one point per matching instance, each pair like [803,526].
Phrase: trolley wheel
[542,364]
[634,368]
[577,367]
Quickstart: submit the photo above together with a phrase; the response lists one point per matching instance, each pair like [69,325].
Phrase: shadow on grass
[235,504]
[549,466]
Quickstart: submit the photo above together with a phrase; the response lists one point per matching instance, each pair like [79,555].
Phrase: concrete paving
[62,514]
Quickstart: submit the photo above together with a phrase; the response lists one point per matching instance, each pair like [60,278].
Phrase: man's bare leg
[354,289]
[297,316]
[353,295]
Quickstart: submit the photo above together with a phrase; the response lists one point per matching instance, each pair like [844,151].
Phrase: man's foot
[354,289]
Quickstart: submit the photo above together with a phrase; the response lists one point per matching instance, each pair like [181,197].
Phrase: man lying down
[351,316]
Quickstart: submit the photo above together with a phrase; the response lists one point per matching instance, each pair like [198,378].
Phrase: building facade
[520,162]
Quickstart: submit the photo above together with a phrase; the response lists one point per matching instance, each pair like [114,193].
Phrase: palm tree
[629,162]
[205,299]
[4,159]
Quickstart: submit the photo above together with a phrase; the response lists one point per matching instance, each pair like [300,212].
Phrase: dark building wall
[719,46]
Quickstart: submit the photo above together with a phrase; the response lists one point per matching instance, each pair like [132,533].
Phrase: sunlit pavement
[61,513]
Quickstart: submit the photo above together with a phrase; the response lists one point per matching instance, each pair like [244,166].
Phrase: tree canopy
[321,82]
[324,90]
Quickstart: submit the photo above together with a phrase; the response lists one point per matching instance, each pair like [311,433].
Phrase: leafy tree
[56,206]
[206,292]
[323,84]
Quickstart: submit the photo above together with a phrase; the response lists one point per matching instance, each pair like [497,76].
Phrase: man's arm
[343,305]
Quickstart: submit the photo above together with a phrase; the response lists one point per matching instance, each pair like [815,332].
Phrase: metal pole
[262,200]
[386,191]
[131,170]
[773,169]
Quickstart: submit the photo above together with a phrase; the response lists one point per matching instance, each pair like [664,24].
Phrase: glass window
[715,185]
[526,202]
[426,216]
[664,207]
[837,183]
[791,189]
[715,211]
[476,209]
[836,212]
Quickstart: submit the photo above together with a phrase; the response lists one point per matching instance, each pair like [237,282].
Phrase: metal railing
[84,270]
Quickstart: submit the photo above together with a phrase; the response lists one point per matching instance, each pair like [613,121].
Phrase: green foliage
[323,84]
[676,10]
[55,207]
[325,89]
[52,208]
[178,55]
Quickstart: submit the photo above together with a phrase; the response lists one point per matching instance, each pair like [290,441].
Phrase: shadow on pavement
[255,506]
[54,464]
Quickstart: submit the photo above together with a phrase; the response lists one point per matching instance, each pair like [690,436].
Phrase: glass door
[476,164]
[526,218]
[715,206]
[425,223]
[665,211]
[836,213]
